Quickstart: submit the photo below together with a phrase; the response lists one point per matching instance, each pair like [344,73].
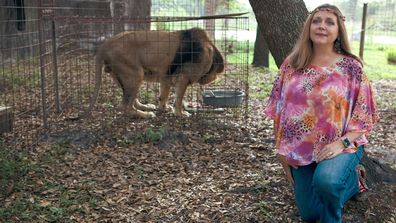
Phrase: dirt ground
[185,170]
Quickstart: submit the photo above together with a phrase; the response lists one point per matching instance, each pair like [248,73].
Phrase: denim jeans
[322,189]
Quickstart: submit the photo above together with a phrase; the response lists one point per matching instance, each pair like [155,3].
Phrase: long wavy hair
[302,53]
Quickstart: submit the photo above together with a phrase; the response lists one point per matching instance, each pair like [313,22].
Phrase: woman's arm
[337,147]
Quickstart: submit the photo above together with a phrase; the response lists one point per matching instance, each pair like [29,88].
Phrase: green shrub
[391,56]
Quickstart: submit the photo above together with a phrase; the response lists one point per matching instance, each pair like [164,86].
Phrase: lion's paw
[166,108]
[169,109]
[141,114]
[186,114]
[150,115]
[150,107]
[183,114]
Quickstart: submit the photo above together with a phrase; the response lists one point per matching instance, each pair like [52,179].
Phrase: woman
[323,108]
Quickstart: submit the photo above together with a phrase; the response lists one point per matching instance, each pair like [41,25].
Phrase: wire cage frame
[47,60]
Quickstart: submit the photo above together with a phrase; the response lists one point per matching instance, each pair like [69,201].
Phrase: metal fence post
[42,64]
[55,67]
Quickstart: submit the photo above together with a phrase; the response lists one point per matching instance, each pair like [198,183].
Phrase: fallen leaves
[201,170]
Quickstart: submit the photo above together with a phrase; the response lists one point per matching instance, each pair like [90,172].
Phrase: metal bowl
[222,98]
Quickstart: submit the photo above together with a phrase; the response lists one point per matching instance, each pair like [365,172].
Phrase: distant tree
[140,12]
[14,15]
[8,26]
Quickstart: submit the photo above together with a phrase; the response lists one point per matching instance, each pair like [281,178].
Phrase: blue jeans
[322,189]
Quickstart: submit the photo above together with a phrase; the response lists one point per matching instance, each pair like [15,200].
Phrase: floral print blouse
[315,106]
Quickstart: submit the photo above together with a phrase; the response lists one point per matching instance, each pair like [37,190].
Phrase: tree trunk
[8,27]
[18,23]
[280,22]
[210,9]
[140,12]
[377,172]
[261,51]
[116,11]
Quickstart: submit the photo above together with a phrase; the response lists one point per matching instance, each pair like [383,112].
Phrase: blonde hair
[301,55]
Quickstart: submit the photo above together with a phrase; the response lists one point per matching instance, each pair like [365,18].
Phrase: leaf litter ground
[186,170]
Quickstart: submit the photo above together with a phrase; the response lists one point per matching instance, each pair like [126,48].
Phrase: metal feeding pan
[222,98]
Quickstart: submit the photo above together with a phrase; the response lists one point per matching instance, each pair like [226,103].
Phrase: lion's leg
[144,107]
[130,84]
[164,96]
[181,87]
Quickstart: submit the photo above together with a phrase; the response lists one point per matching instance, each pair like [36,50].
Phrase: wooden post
[362,33]
[6,119]
[42,52]
[55,67]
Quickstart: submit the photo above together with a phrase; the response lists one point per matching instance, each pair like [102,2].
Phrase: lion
[174,59]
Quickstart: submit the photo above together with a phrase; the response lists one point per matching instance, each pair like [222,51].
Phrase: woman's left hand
[329,151]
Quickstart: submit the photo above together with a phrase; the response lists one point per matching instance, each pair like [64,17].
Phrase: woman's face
[324,28]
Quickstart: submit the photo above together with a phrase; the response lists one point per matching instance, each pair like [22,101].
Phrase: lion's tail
[98,81]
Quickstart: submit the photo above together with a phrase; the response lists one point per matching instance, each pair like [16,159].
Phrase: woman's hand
[286,168]
[329,151]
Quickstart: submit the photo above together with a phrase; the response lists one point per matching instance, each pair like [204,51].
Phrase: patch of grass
[260,82]
[376,65]
[238,55]
[56,152]
[124,142]
[13,167]
[34,208]
[266,209]
[35,198]
[150,135]
[207,137]
[16,79]
[17,208]
[236,52]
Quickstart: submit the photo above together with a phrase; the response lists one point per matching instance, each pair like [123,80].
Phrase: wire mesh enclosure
[48,49]
[380,22]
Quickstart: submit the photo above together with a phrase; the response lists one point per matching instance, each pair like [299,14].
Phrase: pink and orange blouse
[315,106]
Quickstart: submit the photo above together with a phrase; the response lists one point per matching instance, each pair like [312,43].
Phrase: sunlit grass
[376,65]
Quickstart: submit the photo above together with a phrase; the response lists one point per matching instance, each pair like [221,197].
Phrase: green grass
[35,208]
[30,201]
[376,65]
[260,82]
[239,55]
[150,135]
[17,78]
[13,168]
